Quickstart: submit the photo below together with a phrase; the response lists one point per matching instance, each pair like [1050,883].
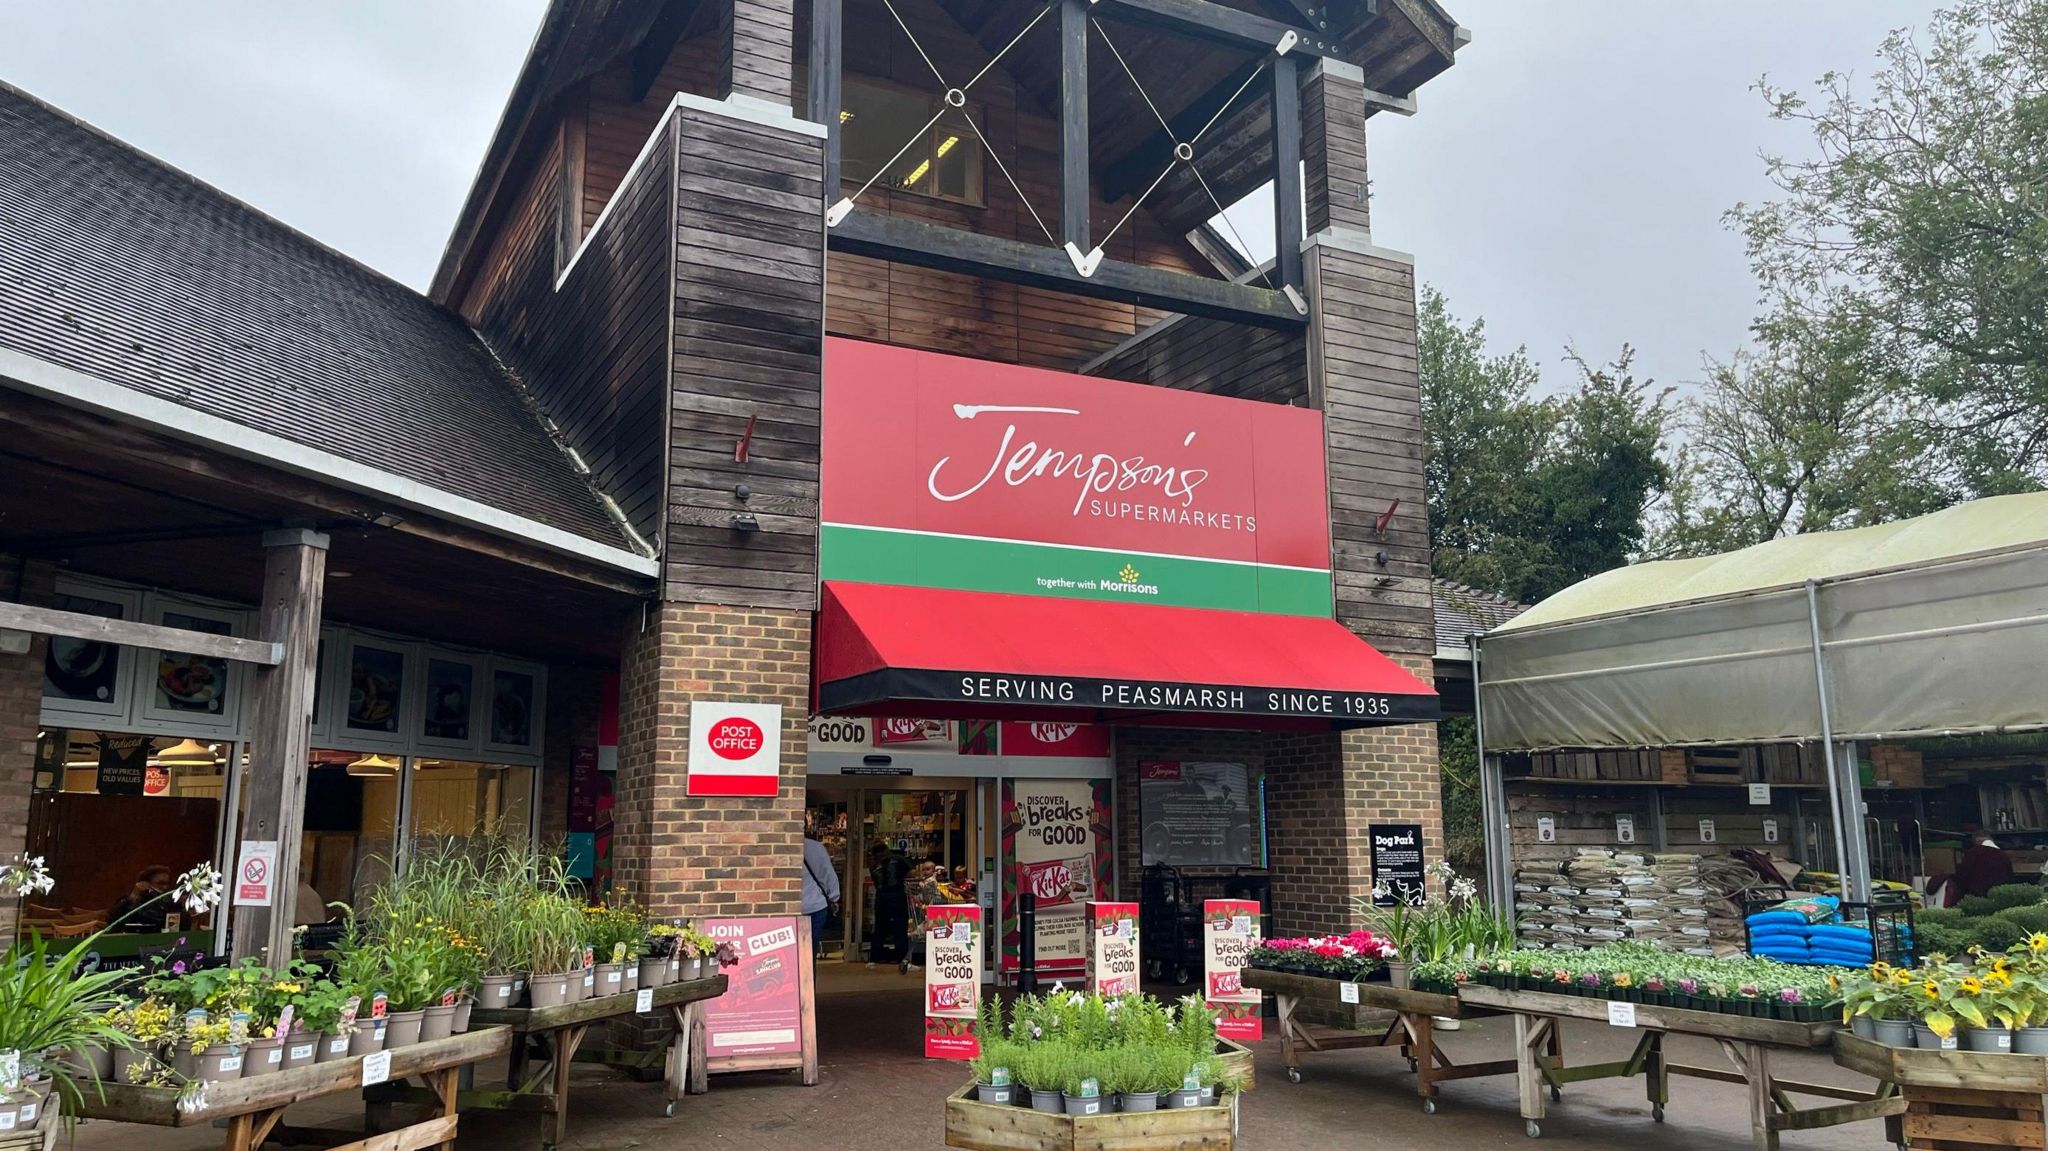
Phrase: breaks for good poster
[952,980]
[1230,929]
[1056,839]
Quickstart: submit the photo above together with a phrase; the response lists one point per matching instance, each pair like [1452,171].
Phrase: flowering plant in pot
[699,953]
[1352,957]
[616,931]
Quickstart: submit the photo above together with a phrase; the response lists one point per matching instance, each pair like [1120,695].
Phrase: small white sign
[1706,831]
[1625,828]
[1546,830]
[376,1068]
[302,1051]
[1348,992]
[1620,1014]
[255,873]
[1770,831]
[1759,794]
[230,1063]
[643,1000]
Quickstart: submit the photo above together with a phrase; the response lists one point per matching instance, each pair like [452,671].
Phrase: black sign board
[124,762]
[1396,862]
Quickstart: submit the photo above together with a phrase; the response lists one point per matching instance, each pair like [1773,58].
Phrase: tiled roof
[121,267]
[1462,612]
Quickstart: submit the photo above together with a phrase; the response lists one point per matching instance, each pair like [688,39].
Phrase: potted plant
[321,1008]
[698,952]
[554,949]
[210,1043]
[1042,1069]
[1081,1084]
[1132,1076]
[993,1074]
[615,932]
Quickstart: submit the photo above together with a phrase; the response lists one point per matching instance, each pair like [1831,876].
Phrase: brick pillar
[756,42]
[1391,775]
[21,707]
[693,856]
[1333,148]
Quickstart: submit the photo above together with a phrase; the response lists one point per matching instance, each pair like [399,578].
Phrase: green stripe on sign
[879,555]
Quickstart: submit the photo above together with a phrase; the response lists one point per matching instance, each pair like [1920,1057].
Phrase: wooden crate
[1957,1100]
[980,1126]
[1237,1062]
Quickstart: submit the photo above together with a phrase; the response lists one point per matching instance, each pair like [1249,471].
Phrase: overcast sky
[1565,180]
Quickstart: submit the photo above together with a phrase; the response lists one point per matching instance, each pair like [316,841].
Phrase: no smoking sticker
[255,873]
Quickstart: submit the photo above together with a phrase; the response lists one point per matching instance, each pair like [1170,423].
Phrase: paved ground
[875,1095]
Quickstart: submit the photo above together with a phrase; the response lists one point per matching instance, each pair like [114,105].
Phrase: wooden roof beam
[1212,21]
[908,241]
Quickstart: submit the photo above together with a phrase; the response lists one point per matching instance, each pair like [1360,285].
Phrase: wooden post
[1287,208]
[828,41]
[1074,197]
[756,39]
[1333,147]
[281,733]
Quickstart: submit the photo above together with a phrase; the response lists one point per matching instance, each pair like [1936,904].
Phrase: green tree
[1923,214]
[1530,494]
[1809,431]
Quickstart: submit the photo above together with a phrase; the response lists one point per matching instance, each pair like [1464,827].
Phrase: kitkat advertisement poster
[952,980]
[1230,929]
[761,1012]
[1056,841]
[1113,949]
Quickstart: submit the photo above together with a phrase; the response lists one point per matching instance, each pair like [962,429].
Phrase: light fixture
[374,766]
[946,145]
[744,522]
[916,174]
[187,752]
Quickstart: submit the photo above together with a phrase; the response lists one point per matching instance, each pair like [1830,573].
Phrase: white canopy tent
[1930,626]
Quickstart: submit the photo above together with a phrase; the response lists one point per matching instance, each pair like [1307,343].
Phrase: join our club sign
[735,748]
[946,472]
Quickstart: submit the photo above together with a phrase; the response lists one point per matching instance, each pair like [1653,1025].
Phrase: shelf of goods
[1747,1041]
[544,1040]
[1955,1100]
[1682,902]
[249,1110]
[1413,1028]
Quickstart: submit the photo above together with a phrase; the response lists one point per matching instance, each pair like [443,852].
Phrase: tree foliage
[1921,220]
[1529,494]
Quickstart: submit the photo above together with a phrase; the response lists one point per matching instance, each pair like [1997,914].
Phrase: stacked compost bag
[1672,899]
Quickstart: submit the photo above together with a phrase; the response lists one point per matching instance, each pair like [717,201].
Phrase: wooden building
[715,250]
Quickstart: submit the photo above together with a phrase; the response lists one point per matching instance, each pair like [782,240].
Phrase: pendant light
[188,752]
[374,766]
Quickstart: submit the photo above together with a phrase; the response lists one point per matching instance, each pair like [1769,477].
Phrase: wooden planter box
[1956,1100]
[1237,1061]
[982,1126]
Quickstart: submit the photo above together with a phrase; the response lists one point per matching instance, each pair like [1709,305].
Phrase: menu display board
[1113,948]
[952,980]
[1201,815]
[1230,929]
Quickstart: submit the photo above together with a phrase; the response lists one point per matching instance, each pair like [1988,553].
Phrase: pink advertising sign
[762,1010]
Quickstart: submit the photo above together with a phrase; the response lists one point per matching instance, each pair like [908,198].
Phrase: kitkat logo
[735,738]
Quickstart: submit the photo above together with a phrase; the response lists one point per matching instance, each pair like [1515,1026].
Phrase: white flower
[199,889]
[26,877]
[1462,888]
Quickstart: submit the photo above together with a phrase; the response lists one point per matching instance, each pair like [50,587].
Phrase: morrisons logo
[1125,582]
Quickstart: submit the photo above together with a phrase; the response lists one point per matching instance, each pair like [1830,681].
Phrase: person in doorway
[1984,866]
[821,889]
[962,886]
[891,875]
[309,909]
[149,887]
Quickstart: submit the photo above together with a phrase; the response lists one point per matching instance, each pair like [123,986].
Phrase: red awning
[884,650]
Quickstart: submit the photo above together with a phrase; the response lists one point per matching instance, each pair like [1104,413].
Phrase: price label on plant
[376,1068]
[643,1000]
[1625,829]
[1620,1014]
[1706,831]
[1348,992]
[1760,794]
[1770,831]
[1546,830]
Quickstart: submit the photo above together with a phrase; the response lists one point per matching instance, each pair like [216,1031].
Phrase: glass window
[453,799]
[450,703]
[943,158]
[351,824]
[376,689]
[82,671]
[163,793]
[512,699]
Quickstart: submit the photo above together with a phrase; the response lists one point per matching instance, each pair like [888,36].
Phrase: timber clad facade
[593,451]
[696,155]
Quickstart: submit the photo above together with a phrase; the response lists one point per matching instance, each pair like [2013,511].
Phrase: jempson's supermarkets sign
[940,471]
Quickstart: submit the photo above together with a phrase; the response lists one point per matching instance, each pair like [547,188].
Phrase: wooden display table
[980,1126]
[1746,1040]
[557,1032]
[1961,1100]
[1413,1029]
[253,1108]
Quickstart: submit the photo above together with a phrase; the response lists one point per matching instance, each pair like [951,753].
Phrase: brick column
[693,856]
[21,707]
